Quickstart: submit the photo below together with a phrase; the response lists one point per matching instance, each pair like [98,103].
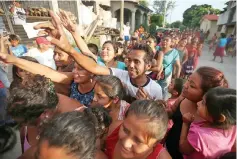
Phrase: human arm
[59,39]
[184,146]
[35,68]
[72,28]
[178,68]
[185,57]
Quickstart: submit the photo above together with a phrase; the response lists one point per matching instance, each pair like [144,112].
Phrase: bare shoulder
[164,155]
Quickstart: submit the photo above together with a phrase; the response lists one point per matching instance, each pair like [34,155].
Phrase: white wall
[213,29]
[205,25]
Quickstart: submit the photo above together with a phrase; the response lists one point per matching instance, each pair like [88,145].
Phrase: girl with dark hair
[195,87]
[139,136]
[108,54]
[220,49]
[216,134]
[18,73]
[109,93]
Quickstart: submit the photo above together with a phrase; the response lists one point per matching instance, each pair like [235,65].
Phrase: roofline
[139,5]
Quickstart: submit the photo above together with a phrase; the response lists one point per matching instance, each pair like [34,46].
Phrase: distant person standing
[220,49]
[43,53]
[16,49]
[126,32]
[18,13]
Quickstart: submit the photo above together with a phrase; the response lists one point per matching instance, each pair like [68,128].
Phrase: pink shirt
[210,143]
[170,103]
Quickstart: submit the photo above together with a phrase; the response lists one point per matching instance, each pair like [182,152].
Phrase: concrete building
[227,20]
[209,22]
[134,13]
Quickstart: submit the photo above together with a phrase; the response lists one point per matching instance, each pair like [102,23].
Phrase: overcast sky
[182,5]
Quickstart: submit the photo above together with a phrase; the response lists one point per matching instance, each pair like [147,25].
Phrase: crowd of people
[142,99]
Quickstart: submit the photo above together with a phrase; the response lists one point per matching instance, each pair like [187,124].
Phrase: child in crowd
[16,49]
[216,134]
[175,89]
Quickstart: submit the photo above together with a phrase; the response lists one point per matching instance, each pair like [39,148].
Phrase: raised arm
[72,28]
[35,68]
[185,57]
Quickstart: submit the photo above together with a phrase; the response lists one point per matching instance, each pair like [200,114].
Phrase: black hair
[148,52]
[111,85]
[14,37]
[219,101]
[113,44]
[74,131]
[153,38]
[178,85]
[229,155]
[30,98]
[223,35]
[103,118]
[155,112]
[93,48]
[14,67]
[7,138]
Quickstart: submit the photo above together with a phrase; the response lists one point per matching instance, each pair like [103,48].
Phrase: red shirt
[1,84]
[112,140]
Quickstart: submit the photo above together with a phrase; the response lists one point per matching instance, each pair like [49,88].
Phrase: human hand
[56,34]
[142,94]
[66,21]
[6,58]
[188,118]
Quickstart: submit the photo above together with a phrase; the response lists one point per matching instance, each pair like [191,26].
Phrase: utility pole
[121,18]
[164,13]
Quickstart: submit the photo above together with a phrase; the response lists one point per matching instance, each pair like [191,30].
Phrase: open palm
[66,21]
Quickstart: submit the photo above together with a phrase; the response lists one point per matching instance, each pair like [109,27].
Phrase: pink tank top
[26,143]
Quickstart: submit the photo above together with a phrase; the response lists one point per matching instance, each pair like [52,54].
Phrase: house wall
[205,25]
[213,29]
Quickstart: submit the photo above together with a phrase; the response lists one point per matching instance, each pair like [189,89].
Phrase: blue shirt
[19,50]
[85,98]
[120,65]
[168,61]
[222,42]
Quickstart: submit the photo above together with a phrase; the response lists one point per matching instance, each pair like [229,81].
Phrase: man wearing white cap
[43,53]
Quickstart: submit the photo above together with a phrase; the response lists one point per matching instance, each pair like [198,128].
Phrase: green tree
[152,29]
[159,6]
[193,15]
[157,19]
[144,3]
[176,24]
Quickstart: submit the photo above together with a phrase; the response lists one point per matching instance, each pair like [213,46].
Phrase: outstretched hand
[56,34]
[6,58]
[66,21]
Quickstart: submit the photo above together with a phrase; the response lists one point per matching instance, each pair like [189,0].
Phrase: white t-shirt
[126,31]
[44,58]
[19,16]
[151,87]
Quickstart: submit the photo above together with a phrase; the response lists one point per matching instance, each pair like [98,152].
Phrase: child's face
[14,42]
[171,87]
[202,110]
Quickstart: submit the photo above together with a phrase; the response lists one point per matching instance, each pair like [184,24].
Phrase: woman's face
[61,58]
[22,73]
[81,75]
[100,98]
[183,42]
[107,54]
[134,140]
[166,42]
[192,88]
